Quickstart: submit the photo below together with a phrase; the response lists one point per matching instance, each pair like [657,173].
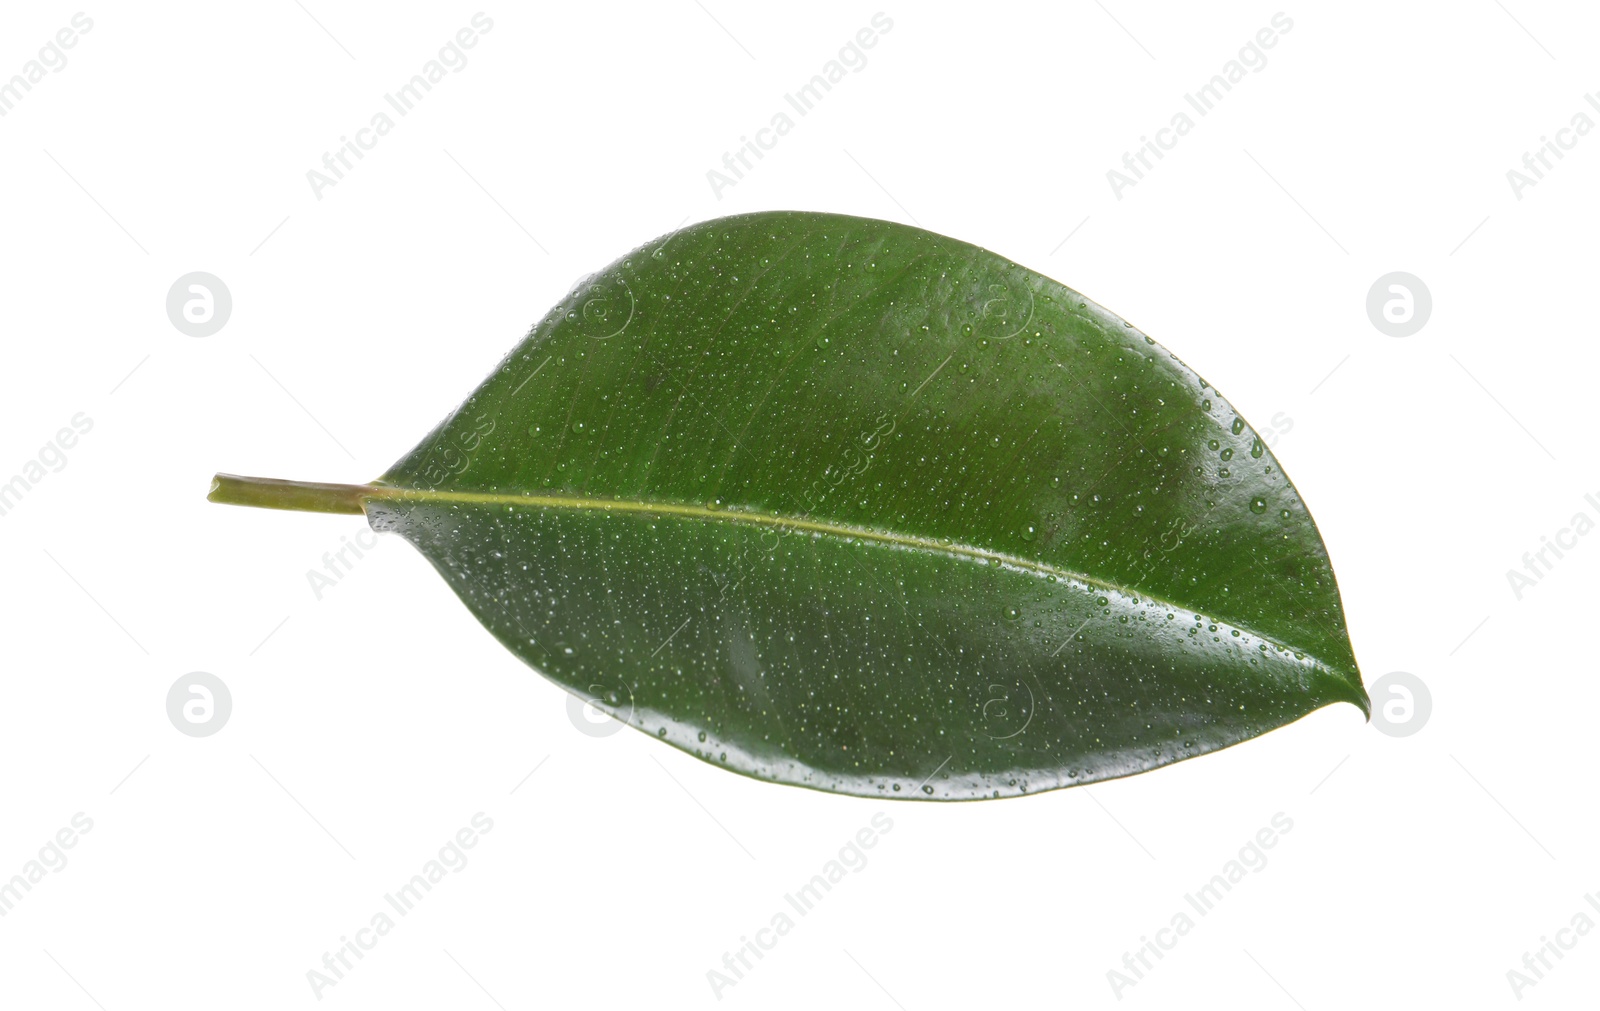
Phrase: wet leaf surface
[846,504]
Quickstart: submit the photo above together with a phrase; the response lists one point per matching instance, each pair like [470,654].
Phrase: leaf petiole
[302,496]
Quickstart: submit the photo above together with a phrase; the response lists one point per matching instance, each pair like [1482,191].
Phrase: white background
[370,725]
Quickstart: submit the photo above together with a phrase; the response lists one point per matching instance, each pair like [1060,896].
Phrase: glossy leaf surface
[846,504]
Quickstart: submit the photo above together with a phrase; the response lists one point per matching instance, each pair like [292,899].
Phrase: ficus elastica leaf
[846,504]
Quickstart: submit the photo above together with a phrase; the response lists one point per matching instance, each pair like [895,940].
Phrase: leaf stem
[303,496]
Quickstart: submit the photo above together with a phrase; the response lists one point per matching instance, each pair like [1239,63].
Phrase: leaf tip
[1358,696]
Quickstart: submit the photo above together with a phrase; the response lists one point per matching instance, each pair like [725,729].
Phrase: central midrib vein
[910,542]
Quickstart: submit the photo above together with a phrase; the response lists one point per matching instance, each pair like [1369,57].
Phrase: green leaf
[846,504]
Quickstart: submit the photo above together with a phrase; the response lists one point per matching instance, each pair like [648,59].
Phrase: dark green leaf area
[924,511]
